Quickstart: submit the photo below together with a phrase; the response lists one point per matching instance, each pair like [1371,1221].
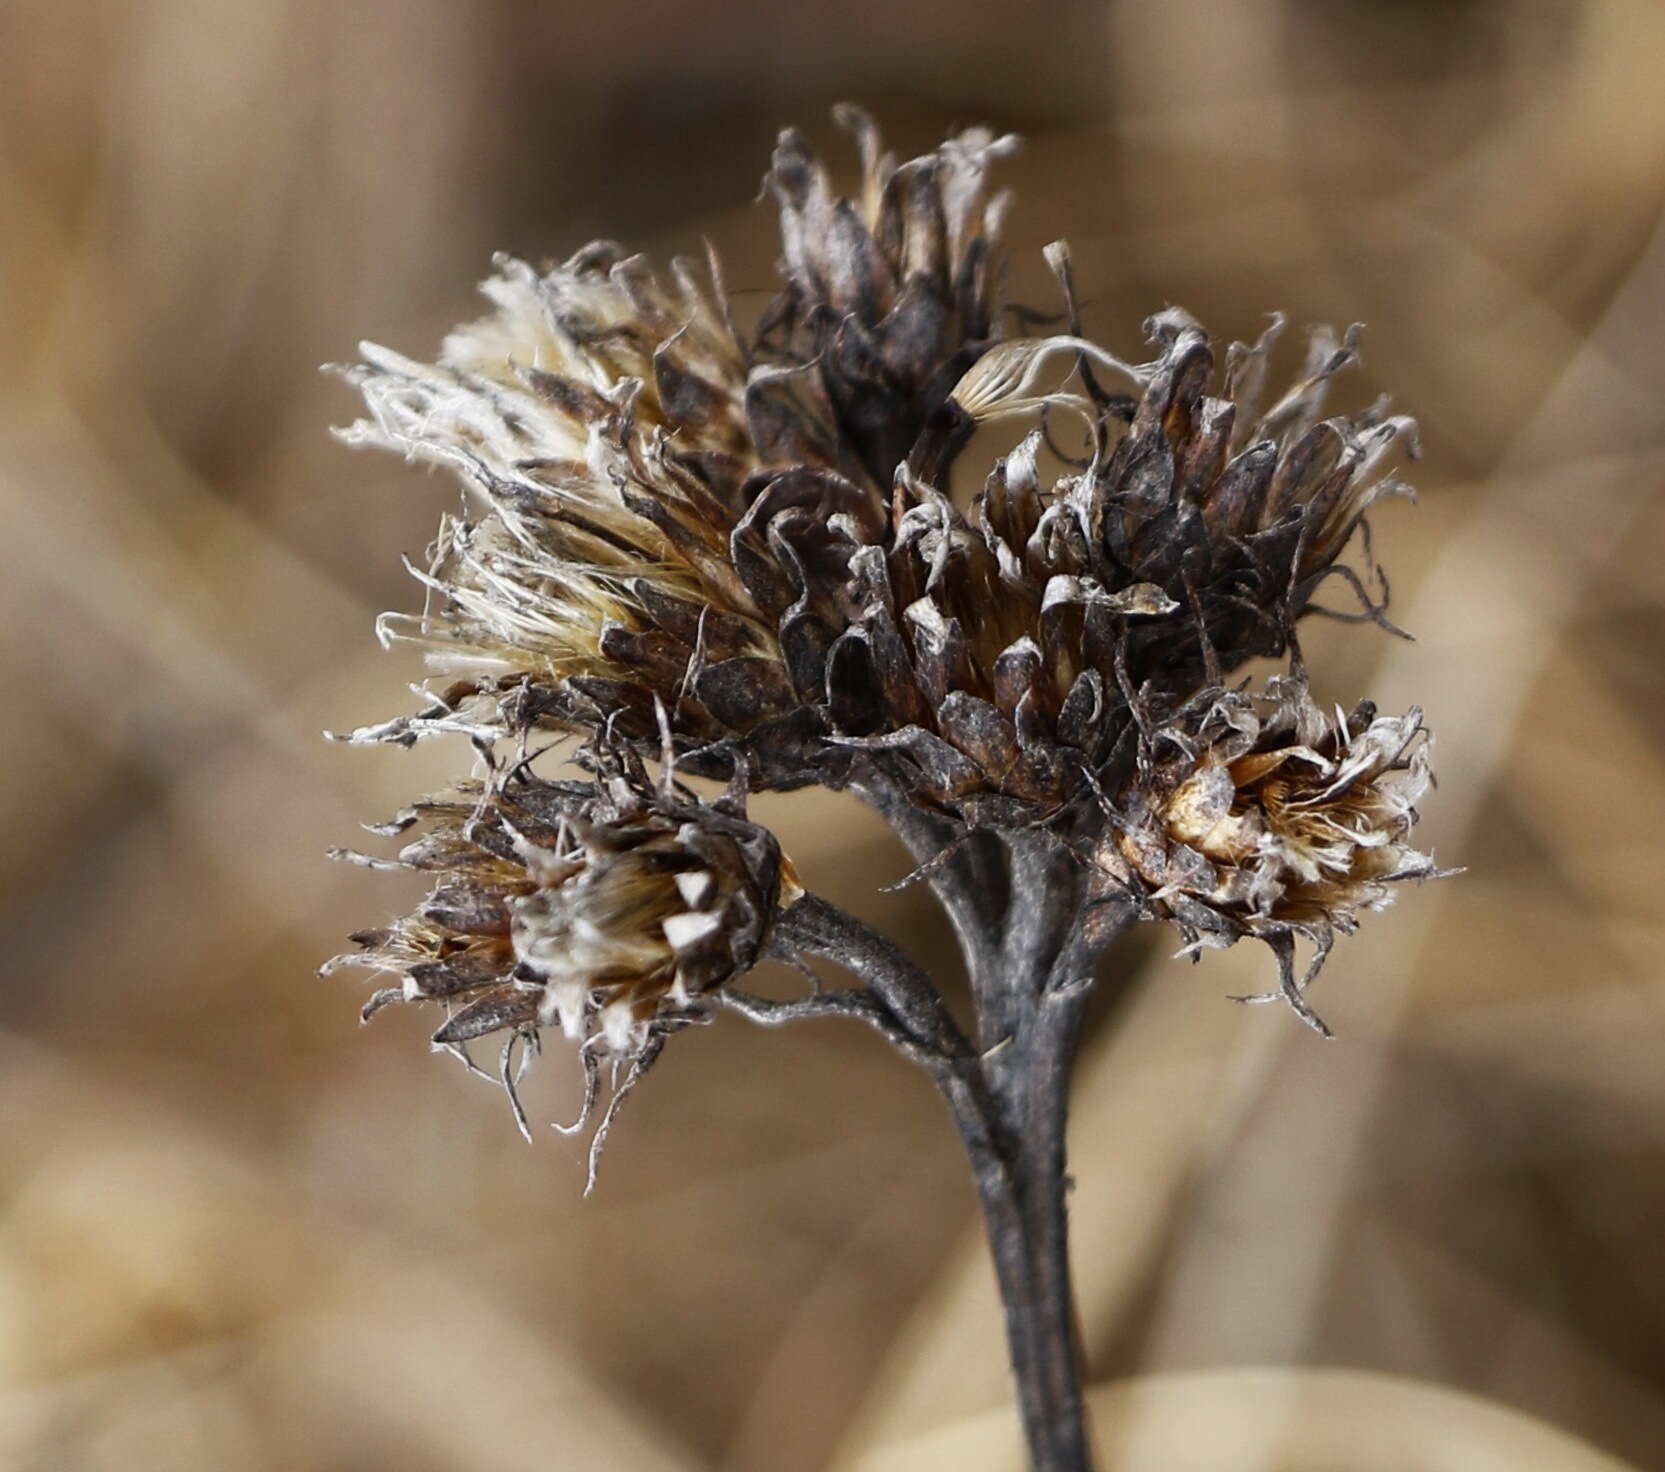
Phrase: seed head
[1262,816]
[599,424]
[611,910]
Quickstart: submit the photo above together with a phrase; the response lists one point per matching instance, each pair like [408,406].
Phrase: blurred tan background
[238,1231]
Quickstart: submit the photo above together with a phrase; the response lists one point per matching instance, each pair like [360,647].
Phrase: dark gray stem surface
[1014,1138]
[1031,927]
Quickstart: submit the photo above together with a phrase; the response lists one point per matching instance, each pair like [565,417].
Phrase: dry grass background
[239,1232]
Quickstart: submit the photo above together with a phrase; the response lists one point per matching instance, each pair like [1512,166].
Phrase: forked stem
[1029,956]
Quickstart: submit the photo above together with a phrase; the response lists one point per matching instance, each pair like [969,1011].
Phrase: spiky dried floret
[995,649]
[611,909]
[893,294]
[605,427]
[1240,514]
[1261,816]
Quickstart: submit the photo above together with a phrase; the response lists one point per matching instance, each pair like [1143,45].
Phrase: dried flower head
[611,909]
[893,295]
[599,421]
[1262,816]
[997,648]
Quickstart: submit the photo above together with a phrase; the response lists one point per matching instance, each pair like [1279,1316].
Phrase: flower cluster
[757,531]
[740,552]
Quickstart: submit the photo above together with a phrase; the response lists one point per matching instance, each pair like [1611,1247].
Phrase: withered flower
[1263,817]
[997,648]
[740,555]
[892,295]
[661,510]
[600,423]
[612,909]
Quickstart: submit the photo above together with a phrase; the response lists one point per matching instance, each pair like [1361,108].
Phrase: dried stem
[767,1012]
[1029,958]
[819,928]
[1014,1137]
[966,871]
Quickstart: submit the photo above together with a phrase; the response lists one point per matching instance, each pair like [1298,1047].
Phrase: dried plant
[697,552]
